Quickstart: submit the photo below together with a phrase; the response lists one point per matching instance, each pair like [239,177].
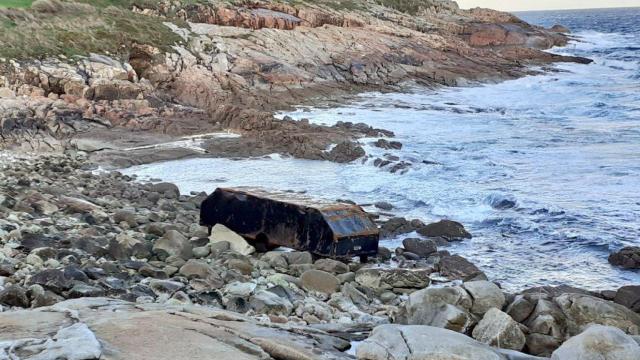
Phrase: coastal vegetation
[52,28]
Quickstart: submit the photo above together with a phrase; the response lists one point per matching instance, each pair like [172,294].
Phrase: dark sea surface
[544,171]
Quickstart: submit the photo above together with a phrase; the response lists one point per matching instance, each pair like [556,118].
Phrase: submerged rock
[628,258]
[450,230]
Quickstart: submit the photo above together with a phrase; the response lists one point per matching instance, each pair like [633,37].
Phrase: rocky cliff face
[236,61]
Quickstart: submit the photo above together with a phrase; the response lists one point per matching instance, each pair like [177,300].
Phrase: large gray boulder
[599,342]
[413,342]
[498,329]
[102,328]
[486,295]
[583,310]
[547,326]
[446,307]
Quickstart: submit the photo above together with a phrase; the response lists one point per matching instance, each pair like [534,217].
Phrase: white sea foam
[565,147]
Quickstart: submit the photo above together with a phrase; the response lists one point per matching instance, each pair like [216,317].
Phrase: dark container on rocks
[272,219]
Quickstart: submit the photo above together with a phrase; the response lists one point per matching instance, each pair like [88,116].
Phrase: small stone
[83,290]
[196,269]
[319,281]
[242,266]
[201,252]
[331,266]
[266,302]
[298,257]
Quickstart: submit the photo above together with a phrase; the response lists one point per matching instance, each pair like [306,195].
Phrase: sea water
[544,171]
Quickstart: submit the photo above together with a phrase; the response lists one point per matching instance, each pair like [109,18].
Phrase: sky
[521,5]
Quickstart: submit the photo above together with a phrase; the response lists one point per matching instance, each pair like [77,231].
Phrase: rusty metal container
[272,219]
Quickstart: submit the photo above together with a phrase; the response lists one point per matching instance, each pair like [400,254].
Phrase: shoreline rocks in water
[627,258]
[68,233]
[219,66]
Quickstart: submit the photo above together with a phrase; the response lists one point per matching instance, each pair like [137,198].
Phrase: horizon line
[563,9]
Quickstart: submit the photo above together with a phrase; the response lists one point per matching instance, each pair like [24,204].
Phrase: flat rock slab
[128,331]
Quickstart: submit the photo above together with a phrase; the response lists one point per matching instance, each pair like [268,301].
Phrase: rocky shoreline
[68,232]
[96,265]
[232,66]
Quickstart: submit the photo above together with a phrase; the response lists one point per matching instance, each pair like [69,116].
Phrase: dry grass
[77,29]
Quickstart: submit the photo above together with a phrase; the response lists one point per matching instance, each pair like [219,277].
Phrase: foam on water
[543,170]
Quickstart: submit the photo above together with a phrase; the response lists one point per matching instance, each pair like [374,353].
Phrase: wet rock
[560,29]
[386,144]
[500,330]
[447,229]
[627,258]
[319,281]
[345,152]
[397,226]
[421,247]
[383,205]
[486,295]
[384,254]
[599,342]
[629,296]
[455,267]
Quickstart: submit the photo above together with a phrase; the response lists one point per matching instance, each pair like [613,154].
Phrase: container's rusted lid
[345,220]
